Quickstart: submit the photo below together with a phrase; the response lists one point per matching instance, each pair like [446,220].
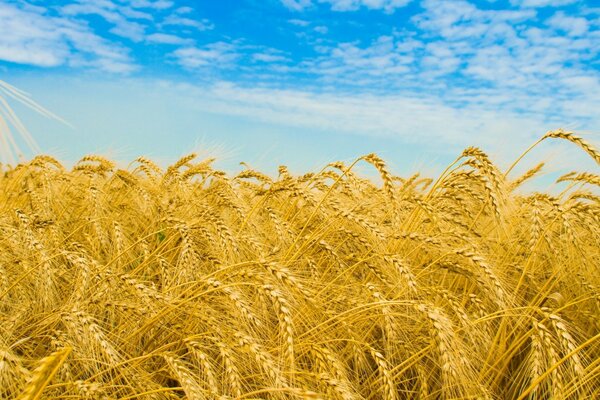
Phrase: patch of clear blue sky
[358,56]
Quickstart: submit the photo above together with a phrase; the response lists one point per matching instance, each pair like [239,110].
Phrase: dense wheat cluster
[143,283]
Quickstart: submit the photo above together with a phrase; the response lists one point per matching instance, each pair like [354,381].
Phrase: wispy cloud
[156,4]
[499,48]
[165,38]
[122,18]
[176,20]
[348,5]
[460,19]
[269,57]
[384,58]
[414,117]
[141,20]
[28,35]
[229,55]
[64,35]
[297,5]
[543,3]
[299,22]
[352,5]
[214,55]
[572,26]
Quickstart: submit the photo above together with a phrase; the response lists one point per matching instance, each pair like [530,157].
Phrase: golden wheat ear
[379,164]
[571,137]
[44,373]
[560,134]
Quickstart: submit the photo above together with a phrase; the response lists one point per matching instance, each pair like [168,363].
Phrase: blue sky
[305,82]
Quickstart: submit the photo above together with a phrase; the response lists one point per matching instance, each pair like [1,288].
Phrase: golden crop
[188,283]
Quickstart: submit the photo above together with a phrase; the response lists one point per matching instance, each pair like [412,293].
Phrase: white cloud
[459,19]
[543,3]
[268,57]
[573,26]
[510,61]
[178,21]
[219,55]
[348,5]
[382,59]
[503,49]
[534,64]
[440,59]
[353,5]
[29,36]
[157,4]
[184,10]
[63,35]
[415,117]
[164,38]
[120,17]
[299,22]
[297,5]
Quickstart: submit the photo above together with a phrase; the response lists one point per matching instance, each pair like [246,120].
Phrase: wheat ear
[44,373]
[379,164]
[571,137]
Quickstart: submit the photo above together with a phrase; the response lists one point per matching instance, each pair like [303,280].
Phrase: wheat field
[184,282]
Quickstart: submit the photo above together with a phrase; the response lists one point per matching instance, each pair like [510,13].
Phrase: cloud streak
[420,119]
[387,6]
[219,54]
